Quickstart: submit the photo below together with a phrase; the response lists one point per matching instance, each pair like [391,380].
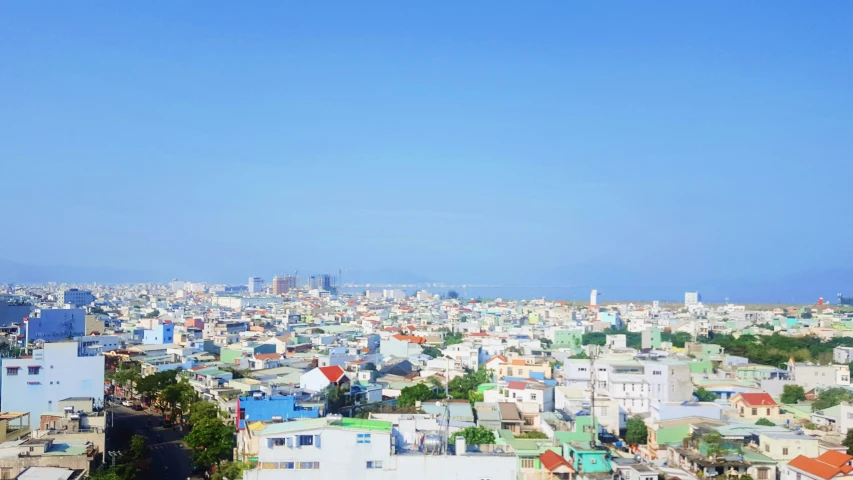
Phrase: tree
[637,433]
[793,394]
[704,395]
[432,352]
[200,411]
[152,314]
[534,434]
[181,393]
[832,397]
[452,294]
[848,440]
[475,435]
[460,388]
[211,442]
[369,367]
[452,338]
[230,470]
[515,350]
[546,342]
[128,376]
[765,422]
[715,446]
[338,397]
[581,356]
[150,386]
[415,393]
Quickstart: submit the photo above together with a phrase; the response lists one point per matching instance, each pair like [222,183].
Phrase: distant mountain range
[16,272]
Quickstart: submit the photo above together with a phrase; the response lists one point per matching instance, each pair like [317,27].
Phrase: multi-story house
[55,372]
[517,366]
[335,447]
[634,384]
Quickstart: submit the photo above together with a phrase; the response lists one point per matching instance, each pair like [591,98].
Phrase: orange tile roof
[834,457]
[519,362]
[499,357]
[551,460]
[817,468]
[333,373]
[410,338]
[267,356]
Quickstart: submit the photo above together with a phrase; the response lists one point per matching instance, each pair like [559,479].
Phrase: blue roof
[263,409]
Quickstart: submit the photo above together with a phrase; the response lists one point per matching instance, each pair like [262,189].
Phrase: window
[849,415]
[527,463]
[33,370]
[766,447]
[656,372]
[533,396]
[288,465]
[768,411]
[305,440]
[374,464]
[308,465]
[12,371]
[785,451]
[582,369]
[762,474]
[363,438]
[755,411]
[278,442]
[603,411]
[592,460]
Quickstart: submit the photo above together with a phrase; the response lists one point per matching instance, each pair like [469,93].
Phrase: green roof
[364,424]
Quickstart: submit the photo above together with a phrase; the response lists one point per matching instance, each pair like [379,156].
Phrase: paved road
[170,451]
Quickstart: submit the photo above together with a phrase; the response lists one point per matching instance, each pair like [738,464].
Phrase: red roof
[410,338]
[480,334]
[758,399]
[834,457]
[499,357]
[817,468]
[517,385]
[551,460]
[333,373]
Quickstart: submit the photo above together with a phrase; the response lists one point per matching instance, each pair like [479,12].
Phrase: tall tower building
[256,284]
[279,285]
[593,297]
[692,298]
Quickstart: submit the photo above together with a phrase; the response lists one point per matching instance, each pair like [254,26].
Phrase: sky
[664,143]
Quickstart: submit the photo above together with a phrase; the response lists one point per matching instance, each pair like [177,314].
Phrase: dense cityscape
[287,378]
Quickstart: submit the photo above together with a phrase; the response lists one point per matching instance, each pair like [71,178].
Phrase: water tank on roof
[433,444]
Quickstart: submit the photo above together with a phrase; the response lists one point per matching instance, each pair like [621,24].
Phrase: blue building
[159,335]
[611,317]
[56,324]
[261,408]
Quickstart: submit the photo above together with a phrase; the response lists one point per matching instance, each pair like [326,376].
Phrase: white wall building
[256,285]
[355,449]
[692,299]
[54,373]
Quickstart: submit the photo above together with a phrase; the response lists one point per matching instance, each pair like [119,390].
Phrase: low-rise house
[755,406]
[831,464]
[318,379]
[783,446]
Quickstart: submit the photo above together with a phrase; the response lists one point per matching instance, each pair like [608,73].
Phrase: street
[169,451]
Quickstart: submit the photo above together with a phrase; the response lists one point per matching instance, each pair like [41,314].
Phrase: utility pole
[114,454]
[593,379]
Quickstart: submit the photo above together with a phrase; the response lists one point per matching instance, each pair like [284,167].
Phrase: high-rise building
[692,298]
[77,298]
[256,284]
[279,285]
[593,298]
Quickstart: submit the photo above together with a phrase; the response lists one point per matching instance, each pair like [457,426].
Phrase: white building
[593,298]
[634,384]
[77,298]
[256,285]
[335,447]
[55,372]
[91,345]
[692,299]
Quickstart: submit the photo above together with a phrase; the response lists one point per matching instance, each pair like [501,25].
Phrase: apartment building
[517,366]
[634,384]
[56,372]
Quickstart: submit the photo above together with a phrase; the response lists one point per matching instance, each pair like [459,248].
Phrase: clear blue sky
[462,141]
